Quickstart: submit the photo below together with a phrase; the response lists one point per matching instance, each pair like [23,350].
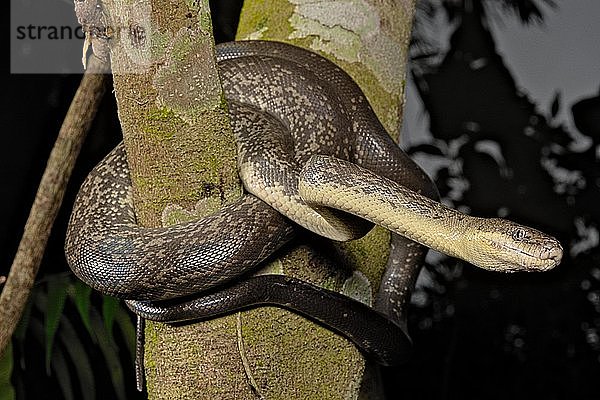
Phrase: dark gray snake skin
[286,104]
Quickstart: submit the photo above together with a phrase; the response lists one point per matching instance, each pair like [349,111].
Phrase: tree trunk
[182,160]
[368,39]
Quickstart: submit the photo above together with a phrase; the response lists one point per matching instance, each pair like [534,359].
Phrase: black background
[477,334]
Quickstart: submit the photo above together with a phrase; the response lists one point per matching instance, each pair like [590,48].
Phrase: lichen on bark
[367,38]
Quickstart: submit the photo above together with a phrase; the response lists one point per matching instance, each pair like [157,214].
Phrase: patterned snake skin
[287,104]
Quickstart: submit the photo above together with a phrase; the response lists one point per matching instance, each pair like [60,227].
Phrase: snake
[312,156]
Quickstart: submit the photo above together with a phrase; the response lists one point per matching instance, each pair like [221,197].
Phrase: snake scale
[311,152]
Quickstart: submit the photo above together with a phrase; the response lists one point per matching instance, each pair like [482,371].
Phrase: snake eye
[519,234]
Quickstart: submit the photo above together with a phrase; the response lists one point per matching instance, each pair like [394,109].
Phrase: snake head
[510,247]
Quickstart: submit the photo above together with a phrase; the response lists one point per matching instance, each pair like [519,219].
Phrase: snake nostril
[553,252]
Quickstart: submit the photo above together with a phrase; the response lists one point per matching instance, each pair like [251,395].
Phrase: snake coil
[307,141]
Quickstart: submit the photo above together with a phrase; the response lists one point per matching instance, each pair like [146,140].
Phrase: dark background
[477,334]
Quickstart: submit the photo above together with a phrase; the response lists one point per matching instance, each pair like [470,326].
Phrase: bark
[182,160]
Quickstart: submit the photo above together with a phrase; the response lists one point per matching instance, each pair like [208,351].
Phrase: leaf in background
[109,308]
[7,392]
[555,105]
[61,372]
[21,330]
[78,355]
[128,329]
[109,350]
[427,149]
[57,294]
[81,294]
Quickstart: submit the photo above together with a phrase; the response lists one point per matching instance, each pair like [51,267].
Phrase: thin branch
[49,198]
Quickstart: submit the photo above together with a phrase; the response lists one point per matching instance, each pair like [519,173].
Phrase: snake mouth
[551,253]
[554,254]
[549,262]
[542,258]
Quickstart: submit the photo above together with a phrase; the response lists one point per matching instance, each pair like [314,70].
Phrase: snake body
[307,141]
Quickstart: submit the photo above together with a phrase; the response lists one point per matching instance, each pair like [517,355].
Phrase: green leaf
[21,330]
[60,370]
[7,392]
[110,352]
[58,366]
[81,294]
[78,355]
[109,308]
[127,327]
[57,294]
